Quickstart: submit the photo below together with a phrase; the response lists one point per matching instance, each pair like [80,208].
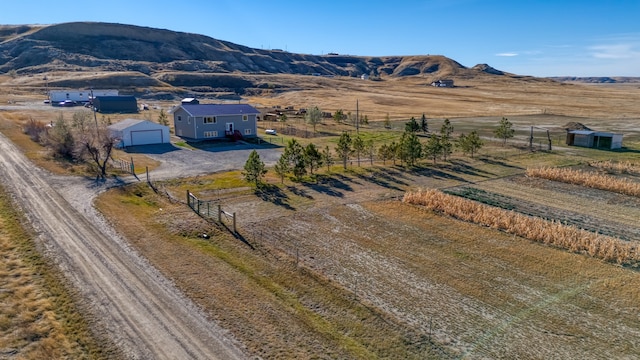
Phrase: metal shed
[134,132]
[594,139]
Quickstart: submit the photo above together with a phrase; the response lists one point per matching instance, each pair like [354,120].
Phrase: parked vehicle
[270,132]
[67,103]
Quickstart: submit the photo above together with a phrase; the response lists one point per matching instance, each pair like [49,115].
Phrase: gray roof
[581,132]
[125,124]
[591,132]
[219,109]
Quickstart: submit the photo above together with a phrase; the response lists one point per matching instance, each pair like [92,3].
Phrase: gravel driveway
[180,162]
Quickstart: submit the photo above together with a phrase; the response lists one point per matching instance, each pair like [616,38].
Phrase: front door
[229,127]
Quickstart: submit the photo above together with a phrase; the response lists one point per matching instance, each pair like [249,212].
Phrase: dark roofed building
[116,104]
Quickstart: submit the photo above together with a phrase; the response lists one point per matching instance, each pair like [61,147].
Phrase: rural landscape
[408,220]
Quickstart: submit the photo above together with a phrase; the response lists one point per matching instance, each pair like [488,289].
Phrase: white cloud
[617,47]
[614,51]
[507,54]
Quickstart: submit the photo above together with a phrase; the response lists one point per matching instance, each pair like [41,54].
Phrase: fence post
[147,170]
[234,223]
[219,213]
[188,200]
[133,169]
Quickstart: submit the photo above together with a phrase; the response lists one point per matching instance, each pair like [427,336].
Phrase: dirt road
[144,314]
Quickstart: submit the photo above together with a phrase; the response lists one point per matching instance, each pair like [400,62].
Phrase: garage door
[146,137]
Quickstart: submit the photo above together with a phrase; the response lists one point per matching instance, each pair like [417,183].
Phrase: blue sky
[533,37]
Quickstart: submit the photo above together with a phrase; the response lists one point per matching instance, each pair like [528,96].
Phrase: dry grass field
[38,317]
[341,268]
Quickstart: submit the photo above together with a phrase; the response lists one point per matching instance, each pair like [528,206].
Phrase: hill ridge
[112,46]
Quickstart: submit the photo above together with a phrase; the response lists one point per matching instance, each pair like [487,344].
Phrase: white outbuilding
[132,132]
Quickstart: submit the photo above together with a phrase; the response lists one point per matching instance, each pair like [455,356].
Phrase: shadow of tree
[380,179]
[300,192]
[274,195]
[434,173]
[499,163]
[460,166]
[324,188]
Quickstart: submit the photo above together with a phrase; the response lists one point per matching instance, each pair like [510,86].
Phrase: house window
[179,118]
[247,131]
[210,134]
[210,120]
[245,117]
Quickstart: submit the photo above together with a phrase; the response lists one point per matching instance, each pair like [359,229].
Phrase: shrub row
[587,179]
[536,229]
[617,167]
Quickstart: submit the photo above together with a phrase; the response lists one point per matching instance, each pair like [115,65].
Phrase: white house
[132,132]
[57,96]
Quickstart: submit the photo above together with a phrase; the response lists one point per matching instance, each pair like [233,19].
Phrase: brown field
[38,317]
[342,268]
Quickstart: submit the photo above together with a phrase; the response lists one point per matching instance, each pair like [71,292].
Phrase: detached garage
[132,132]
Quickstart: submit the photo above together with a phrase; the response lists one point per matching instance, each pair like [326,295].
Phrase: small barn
[116,104]
[132,132]
[594,139]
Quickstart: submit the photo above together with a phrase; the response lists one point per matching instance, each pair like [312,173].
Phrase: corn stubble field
[343,268]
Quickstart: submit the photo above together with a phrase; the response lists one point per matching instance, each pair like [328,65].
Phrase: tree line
[298,160]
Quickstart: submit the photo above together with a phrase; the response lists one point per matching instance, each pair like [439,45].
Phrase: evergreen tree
[282,167]
[505,130]
[424,126]
[411,149]
[343,148]
[393,151]
[312,158]
[254,169]
[432,148]
[446,145]
[163,119]
[327,159]
[370,149]
[294,154]
[383,153]
[470,144]
[412,125]
[358,147]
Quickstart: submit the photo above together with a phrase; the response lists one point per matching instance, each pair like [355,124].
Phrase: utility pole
[357,119]
[93,107]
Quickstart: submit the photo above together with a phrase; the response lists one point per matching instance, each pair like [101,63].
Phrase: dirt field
[475,292]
